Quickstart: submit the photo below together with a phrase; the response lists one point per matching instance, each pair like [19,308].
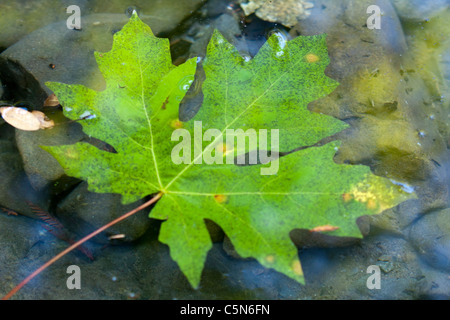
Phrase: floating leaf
[137,114]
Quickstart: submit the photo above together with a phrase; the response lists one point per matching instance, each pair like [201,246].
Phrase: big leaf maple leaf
[138,112]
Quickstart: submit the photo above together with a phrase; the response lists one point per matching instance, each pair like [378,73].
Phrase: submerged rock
[18,236]
[342,273]
[380,96]
[21,18]
[429,44]
[41,167]
[84,211]
[15,188]
[56,53]
[419,9]
[286,12]
[437,284]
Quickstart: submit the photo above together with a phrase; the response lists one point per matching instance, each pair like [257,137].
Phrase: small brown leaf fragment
[325,228]
[51,101]
[45,123]
[20,118]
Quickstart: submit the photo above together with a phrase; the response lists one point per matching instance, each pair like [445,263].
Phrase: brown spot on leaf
[325,228]
[164,103]
[270,259]
[220,198]
[347,197]
[176,124]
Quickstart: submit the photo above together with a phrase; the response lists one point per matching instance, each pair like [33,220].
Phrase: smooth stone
[429,45]
[41,167]
[341,273]
[445,63]
[214,8]
[419,9]
[226,24]
[356,52]
[16,191]
[20,19]
[84,211]
[437,284]
[141,270]
[19,235]
[394,221]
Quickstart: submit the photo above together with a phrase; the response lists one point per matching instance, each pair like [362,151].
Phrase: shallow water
[394,95]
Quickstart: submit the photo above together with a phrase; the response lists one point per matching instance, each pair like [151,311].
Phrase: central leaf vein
[147,117]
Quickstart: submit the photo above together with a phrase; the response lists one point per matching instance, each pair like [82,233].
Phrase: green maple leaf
[137,114]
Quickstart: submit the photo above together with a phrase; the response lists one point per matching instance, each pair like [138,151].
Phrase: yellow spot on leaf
[371,204]
[220,198]
[270,259]
[378,194]
[297,268]
[226,148]
[312,58]
[72,154]
[347,197]
[176,124]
